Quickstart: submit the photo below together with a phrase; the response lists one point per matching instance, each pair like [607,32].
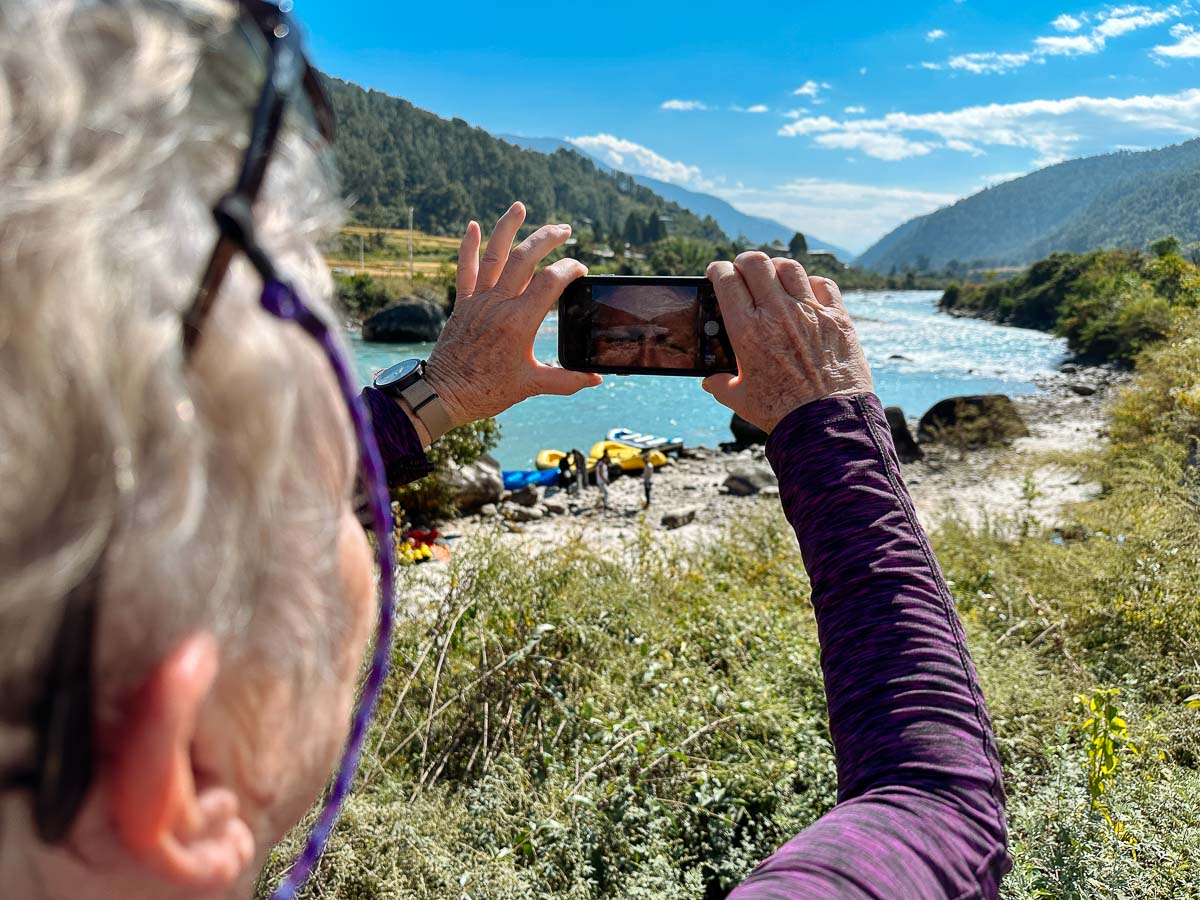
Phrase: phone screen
[669,326]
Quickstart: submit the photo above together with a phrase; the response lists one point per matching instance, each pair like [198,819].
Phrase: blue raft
[516,480]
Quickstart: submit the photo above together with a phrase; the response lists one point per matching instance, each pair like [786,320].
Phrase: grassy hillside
[1109,305]
[1117,200]
[393,155]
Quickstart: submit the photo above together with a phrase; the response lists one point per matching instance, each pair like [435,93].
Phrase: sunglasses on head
[64,718]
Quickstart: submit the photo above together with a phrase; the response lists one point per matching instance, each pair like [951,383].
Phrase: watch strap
[428,407]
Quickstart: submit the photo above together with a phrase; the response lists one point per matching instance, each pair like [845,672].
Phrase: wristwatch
[406,380]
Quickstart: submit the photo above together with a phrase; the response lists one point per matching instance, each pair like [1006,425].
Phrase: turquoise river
[943,356]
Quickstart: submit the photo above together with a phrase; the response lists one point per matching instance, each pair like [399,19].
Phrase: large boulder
[975,421]
[906,445]
[413,321]
[745,434]
[743,481]
[475,485]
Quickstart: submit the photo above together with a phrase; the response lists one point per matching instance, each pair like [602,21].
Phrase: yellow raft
[548,459]
[627,457]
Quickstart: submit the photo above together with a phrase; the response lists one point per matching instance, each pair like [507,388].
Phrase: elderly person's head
[205,502]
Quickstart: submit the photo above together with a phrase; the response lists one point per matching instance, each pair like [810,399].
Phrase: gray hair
[212,491]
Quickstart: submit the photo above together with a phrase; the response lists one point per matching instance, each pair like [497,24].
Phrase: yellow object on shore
[628,457]
[548,459]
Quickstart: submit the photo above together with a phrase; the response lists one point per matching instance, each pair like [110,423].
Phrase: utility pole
[411,273]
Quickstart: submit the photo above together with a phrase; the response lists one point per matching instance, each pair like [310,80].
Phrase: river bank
[692,502]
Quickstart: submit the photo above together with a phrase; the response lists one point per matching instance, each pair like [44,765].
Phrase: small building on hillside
[829,259]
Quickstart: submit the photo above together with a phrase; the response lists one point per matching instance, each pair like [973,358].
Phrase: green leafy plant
[432,497]
[1107,736]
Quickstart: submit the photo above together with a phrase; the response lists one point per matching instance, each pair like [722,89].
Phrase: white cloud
[756,108]
[881,146]
[853,215]
[960,146]
[979,63]
[1111,23]
[936,35]
[683,105]
[1074,45]
[1131,18]
[855,110]
[1186,46]
[811,88]
[638,160]
[1052,129]
[849,214]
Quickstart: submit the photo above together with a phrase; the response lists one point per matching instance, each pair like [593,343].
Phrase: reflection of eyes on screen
[637,335]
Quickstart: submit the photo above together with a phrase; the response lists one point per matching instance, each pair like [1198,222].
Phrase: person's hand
[792,336]
[483,362]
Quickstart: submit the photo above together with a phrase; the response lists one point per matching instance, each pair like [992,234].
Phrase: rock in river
[412,321]
[974,421]
[906,445]
[745,434]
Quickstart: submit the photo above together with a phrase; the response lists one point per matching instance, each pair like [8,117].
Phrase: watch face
[396,375]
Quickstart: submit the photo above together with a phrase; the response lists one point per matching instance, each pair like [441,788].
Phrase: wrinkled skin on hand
[792,336]
[483,362]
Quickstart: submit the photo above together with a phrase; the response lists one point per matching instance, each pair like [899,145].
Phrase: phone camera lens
[711,328]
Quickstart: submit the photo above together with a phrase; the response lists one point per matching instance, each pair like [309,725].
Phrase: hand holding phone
[794,338]
[643,325]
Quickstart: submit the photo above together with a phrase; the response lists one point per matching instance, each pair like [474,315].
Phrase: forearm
[400,436]
[920,797]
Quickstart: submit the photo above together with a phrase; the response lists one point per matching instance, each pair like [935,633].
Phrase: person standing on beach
[647,476]
[564,473]
[602,477]
[580,461]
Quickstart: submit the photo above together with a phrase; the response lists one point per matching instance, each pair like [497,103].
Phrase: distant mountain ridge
[1124,199]
[732,220]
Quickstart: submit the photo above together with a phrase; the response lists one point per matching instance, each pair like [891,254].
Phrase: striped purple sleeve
[920,810]
[404,459]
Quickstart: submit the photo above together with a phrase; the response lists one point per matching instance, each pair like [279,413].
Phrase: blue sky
[838,120]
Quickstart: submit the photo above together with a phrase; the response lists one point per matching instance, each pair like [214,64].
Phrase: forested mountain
[1121,199]
[393,155]
[758,229]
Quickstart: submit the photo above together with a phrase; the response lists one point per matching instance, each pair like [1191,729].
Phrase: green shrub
[361,296]
[431,498]
[1109,304]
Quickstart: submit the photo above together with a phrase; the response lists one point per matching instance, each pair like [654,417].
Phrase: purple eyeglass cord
[281,301]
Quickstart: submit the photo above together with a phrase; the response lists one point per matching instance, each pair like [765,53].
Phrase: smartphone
[643,325]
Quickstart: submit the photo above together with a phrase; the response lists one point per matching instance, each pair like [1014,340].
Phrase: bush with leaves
[432,498]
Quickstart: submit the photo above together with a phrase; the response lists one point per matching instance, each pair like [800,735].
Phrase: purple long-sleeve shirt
[920,810]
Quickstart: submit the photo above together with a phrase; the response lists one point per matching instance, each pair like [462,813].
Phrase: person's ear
[190,834]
